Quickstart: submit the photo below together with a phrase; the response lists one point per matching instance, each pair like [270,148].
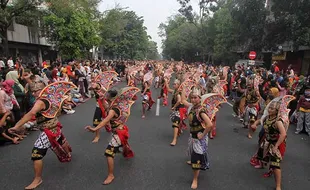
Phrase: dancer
[252,98]
[202,110]
[100,85]
[117,116]
[45,109]
[272,148]
[147,101]
[175,115]
[164,90]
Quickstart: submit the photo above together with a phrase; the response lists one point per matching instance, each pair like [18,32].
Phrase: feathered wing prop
[283,112]
[211,102]
[123,102]
[55,94]
[187,85]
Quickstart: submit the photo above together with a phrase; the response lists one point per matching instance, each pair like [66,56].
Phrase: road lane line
[157,107]
[230,104]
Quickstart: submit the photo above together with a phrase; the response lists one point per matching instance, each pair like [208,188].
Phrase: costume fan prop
[123,101]
[55,94]
[225,72]
[219,88]
[196,76]
[148,77]
[105,80]
[283,112]
[168,73]
[187,86]
[211,102]
[257,81]
[187,75]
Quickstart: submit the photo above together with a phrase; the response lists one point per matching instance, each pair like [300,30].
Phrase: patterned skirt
[198,151]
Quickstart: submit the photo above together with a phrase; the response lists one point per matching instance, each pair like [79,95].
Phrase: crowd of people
[16,97]
[261,97]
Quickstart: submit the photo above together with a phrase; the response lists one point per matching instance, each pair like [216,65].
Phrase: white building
[25,41]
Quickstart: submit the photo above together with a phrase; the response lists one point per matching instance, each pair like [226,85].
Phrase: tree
[11,10]
[200,21]
[251,16]
[180,39]
[152,53]
[288,21]
[124,34]
[226,34]
[71,27]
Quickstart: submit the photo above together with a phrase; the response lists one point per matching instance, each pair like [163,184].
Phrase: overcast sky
[153,11]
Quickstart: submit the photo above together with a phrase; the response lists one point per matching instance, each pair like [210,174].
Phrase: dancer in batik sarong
[117,116]
[45,109]
[272,147]
[100,85]
[202,110]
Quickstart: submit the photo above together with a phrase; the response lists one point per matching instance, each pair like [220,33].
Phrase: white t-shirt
[10,63]
[2,65]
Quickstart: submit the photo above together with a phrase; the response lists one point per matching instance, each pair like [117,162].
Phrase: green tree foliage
[152,52]
[72,27]
[225,36]
[124,35]
[288,21]
[180,39]
[224,27]
[251,16]
[16,9]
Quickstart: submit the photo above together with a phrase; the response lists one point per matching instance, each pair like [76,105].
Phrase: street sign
[251,62]
[252,55]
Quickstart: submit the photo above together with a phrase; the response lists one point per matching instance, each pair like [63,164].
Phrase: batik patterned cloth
[198,151]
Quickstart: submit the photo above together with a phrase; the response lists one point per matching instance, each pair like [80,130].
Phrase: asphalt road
[156,165]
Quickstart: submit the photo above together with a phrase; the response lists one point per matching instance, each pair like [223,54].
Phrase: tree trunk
[5,42]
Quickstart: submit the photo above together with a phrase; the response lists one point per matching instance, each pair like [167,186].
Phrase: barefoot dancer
[45,109]
[200,117]
[175,115]
[117,117]
[100,85]
[252,97]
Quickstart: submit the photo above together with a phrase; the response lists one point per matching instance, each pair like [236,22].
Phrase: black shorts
[199,161]
[110,151]
[39,153]
[97,117]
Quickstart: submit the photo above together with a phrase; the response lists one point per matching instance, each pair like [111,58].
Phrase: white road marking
[157,107]
[230,104]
